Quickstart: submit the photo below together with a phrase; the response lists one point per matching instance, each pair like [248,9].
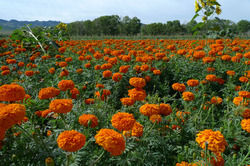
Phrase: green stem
[28,135]
[68,159]
[98,158]
[248,153]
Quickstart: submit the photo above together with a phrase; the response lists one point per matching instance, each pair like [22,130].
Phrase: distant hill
[14,24]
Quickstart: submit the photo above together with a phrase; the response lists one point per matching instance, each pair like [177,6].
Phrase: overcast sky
[148,11]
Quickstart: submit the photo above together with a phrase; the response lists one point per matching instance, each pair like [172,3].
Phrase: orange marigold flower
[199,54]
[123,121]
[230,72]
[237,88]
[111,141]
[71,141]
[137,130]
[184,163]
[100,86]
[11,92]
[79,71]
[87,65]
[45,113]
[48,93]
[155,118]
[61,105]
[157,72]
[211,77]
[149,109]
[65,85]
[117,77]
[245,124]
[179,87]
[244,94]
[210,69]
[137,94]
[165,109]
[147,78]
[144,67]
[64,72]
[246,113]
[188,96]
[193,82]
[214,139]
[63,64]
[49,132]
[216,100]
[181,115]
[238,101]
[29,73]
[74,92]
[5,72]
[124,69]
[243,79]
[107,73]
[217,161]
[137,82]
[86,119]
[11,114]
[52,70]
[226,58]
[127,101]
[89,101]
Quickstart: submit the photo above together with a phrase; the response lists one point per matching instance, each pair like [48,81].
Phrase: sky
[148,11]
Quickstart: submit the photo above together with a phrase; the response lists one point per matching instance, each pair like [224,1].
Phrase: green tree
[107,25]
[243,26]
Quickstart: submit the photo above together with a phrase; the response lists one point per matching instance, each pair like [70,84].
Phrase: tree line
[114,25]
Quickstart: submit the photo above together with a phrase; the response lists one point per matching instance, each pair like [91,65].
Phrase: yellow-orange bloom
[85,119]
[244,94]
[230,72]
[11,114]
[117,77]
[49,92]
[184,163]
[246,113]
[240,101]
[107,73]
[137,94]
[137,82]
[123,121]
[61,105]
[127,101]
[65,85]
[214,139]
[155,118]
[245,124]
[188,96]
[211,77]
[111,141]
[179,87]
[193,82]
[165,109]
[137,130]
[216,100]
[243,79]
[71,141]
[149,109]
[11,92]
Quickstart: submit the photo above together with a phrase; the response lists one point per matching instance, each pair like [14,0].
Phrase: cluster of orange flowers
[11,114]
[213,141]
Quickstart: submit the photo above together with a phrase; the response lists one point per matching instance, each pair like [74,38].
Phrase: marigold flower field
[125,102]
